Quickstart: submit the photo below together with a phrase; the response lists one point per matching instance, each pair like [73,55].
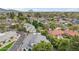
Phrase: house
[5,37]
[30,28]
[32,39]
[56,32]
[71,32]
[59,33]
[75,21]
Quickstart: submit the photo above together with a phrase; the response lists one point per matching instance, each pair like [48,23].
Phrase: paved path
[18,43]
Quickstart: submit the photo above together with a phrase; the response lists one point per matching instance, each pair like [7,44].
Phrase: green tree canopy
[52,25]
[43,46]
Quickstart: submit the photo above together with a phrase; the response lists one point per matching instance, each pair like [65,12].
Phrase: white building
[32,39]
[29,27]
[5,37]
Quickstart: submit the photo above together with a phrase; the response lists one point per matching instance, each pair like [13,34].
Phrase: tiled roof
[71,32]
[58,32]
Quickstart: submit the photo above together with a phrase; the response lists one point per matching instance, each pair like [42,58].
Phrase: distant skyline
[47,9]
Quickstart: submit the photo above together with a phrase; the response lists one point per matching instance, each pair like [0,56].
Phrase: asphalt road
[17,45]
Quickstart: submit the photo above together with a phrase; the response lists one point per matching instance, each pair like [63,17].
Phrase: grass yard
[6,47]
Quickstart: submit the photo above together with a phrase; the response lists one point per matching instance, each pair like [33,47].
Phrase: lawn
[6,47]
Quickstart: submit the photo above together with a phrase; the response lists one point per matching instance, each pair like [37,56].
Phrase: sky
[39,3]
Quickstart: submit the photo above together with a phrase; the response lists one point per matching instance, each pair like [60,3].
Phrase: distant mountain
[11,10]
[8,10]
[49,9]
[40,10]
[2,10]
[30,10]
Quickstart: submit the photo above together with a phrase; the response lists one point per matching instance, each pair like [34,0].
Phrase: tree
[52,39]
[18,27]
[63,44]
[3,27]
[52,25]
[11,15]
[2,17]
[35,23]
[42,31]
[20,14]
[59,44]
[74,43]
[74,27]
[22,18]
[42,46]
[37,14]
[1,44]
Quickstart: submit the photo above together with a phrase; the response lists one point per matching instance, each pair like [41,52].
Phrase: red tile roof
[58,32]
[71,32]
